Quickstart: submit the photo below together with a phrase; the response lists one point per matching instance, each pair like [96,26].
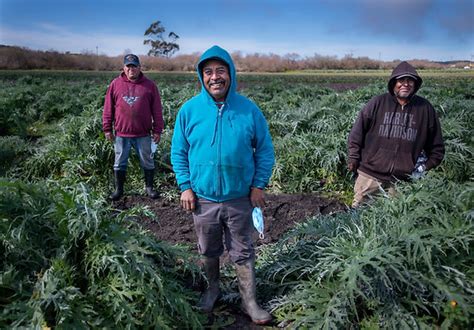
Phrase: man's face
[131,71]
[216,79]
[404,87]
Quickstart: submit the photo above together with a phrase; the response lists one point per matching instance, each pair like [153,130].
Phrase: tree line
[18,58]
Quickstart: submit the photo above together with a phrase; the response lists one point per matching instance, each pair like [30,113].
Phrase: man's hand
[156,137]
[110,136]
[353,165]
[188,200]
[257,197]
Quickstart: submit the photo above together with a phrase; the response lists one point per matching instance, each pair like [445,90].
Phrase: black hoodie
[387,138]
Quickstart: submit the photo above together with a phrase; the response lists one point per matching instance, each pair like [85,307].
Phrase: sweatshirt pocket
[204,179]
[234,180]
[404,165]
[381,161]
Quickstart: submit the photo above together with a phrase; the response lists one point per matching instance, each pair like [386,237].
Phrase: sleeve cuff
[184,186]
[259,184]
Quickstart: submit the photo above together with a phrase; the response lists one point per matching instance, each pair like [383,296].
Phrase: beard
[404,95]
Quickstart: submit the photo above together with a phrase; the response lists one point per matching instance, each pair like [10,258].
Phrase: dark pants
[233,219]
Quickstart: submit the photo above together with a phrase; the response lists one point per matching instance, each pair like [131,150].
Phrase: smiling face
[132,71]
[216,79]
[404,89]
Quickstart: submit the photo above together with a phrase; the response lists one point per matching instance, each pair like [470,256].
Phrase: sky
[437,30]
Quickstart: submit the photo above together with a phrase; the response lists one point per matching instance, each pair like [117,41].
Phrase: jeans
[142,146]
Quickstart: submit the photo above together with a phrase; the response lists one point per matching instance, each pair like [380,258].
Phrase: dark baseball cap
[131,59]
[407,75]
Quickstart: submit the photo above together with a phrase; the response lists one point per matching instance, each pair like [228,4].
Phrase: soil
[281,213]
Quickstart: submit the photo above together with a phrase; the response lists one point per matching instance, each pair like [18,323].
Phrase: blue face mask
[257,217]
[153,148]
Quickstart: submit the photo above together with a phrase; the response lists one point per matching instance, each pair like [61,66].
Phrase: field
[72,259]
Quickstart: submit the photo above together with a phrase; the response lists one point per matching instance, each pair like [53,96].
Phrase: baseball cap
[407,75]
[131,59]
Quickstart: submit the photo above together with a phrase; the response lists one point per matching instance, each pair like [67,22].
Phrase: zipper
[219,143]
[392,163]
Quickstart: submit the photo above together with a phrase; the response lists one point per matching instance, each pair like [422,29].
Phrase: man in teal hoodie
[222,155]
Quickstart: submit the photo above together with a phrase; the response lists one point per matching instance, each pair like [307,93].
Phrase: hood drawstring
[220,107]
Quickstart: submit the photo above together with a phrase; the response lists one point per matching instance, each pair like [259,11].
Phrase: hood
[216,52]
[404,68]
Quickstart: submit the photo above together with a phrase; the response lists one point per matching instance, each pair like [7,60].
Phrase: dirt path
[281,213]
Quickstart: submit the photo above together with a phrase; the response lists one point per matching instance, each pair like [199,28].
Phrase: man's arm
[434,146]
[157,114]
[108,113]
[264,159]
[356,138]
[179,154]
[180,162]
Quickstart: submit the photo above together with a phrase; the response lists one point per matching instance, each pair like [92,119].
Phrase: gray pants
[233,219]
[142,146]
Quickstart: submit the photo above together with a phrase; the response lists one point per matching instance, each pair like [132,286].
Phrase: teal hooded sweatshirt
[221,154]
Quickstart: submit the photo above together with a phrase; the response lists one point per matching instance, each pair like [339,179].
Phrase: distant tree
[159,46]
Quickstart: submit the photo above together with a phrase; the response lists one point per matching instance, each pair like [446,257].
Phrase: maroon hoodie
[132,107]
[387,138]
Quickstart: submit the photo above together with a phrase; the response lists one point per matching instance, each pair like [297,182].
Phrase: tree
[160,46]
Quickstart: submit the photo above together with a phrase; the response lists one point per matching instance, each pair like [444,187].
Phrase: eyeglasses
[406,80]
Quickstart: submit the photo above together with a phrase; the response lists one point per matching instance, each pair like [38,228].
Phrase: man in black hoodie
[391,133]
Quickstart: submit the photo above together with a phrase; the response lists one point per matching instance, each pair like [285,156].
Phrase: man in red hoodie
[396,135]
[132,117]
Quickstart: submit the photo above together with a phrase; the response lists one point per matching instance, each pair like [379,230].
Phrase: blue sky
[379,29]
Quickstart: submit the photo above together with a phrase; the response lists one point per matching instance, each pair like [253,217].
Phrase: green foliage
[69,261]
[32,103]
[76,152]
[12,150]
[311,121]
[400,261]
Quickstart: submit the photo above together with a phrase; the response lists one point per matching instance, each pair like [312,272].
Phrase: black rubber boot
[119,182]
[212,293]
[150,192]
[247,288]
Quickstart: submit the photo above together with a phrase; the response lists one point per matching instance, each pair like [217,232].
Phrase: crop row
[70,260]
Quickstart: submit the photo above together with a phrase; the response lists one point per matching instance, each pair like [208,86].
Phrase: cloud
[386,50]
[53,37]
[403,19]
[458,21]
[408,20]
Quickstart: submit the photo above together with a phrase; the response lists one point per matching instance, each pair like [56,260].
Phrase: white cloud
[386,51]
[52,37]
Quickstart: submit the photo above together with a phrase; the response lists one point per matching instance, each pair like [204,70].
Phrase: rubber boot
[247,288]
[150,192]
[119,181]
[212,293]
